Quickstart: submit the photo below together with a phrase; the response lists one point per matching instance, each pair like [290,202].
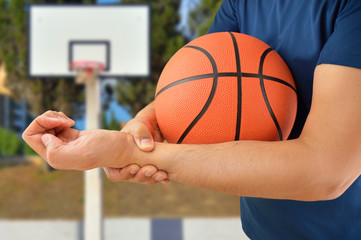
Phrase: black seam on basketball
[184,80]
[239,87]
[266,77]
[225,74]
[210,97]
[263,89]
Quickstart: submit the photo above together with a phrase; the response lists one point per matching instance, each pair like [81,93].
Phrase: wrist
[123,150]
[166,157]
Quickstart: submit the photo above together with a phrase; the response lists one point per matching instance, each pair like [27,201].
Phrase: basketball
[225,87]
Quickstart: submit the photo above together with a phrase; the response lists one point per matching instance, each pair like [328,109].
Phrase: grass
[26,192]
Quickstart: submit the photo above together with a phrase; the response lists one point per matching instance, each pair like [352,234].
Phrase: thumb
[143,138]
[51,142]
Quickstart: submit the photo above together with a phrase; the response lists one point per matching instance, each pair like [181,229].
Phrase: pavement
[126,229]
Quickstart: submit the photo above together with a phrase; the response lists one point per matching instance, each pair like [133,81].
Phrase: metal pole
[93,210]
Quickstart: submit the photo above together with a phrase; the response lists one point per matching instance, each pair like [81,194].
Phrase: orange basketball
[225,87]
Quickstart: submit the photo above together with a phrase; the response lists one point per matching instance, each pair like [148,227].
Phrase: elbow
[333,191]
[324,192]
[329,173]
[332,186]
[338,176]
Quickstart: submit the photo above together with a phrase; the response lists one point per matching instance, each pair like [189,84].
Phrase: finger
[58,115]
[54,114]
[52,144]
[159,176]
[68,135]
[44,123]
[142,135]
[145,174]
[148,118]
[122,174]
[152,180]
[32,135]
[107,171]
[65,116]
[165,181]
[143,138]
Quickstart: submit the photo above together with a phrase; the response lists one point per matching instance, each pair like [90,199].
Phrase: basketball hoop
[83,54]
[87,74]
[86,70]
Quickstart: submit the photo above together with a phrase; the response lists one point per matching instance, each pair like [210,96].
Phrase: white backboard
[116,35]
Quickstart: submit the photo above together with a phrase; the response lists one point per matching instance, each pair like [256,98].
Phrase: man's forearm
[282,170]
[321,164]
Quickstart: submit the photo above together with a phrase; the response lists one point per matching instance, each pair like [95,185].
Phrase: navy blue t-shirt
[305,33]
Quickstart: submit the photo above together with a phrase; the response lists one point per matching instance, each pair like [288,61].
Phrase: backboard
[116,35]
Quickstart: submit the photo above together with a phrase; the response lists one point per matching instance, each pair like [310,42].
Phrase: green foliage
[11,144]
[113,123]
[41,94]
[165,41]
[202,16]
[28,150]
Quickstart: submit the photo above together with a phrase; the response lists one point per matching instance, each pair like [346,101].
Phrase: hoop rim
[87,65]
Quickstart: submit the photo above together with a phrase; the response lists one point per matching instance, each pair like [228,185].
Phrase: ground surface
[28,192]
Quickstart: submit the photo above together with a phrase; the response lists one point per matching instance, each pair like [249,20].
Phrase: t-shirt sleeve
[225,19]
[344,45]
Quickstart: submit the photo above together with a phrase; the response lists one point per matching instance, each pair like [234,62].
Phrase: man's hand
[144,129]
[50,135]
[55,123]
[62,147]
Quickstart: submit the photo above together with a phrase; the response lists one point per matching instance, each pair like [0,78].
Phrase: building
[13,114]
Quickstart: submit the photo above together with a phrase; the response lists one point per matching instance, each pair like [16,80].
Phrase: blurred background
[29,188]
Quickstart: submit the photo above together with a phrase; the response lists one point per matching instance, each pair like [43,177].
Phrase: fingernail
[159,178]
[45,139]
[133,170]
[52,117]
[145,142]
[61,118]
[148,173]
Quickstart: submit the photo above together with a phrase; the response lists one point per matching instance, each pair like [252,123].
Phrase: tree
[165,41]
[201,17]
[11,144]
[41,94]
[112,124]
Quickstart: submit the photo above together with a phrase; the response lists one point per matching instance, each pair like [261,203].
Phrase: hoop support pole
[93,180]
